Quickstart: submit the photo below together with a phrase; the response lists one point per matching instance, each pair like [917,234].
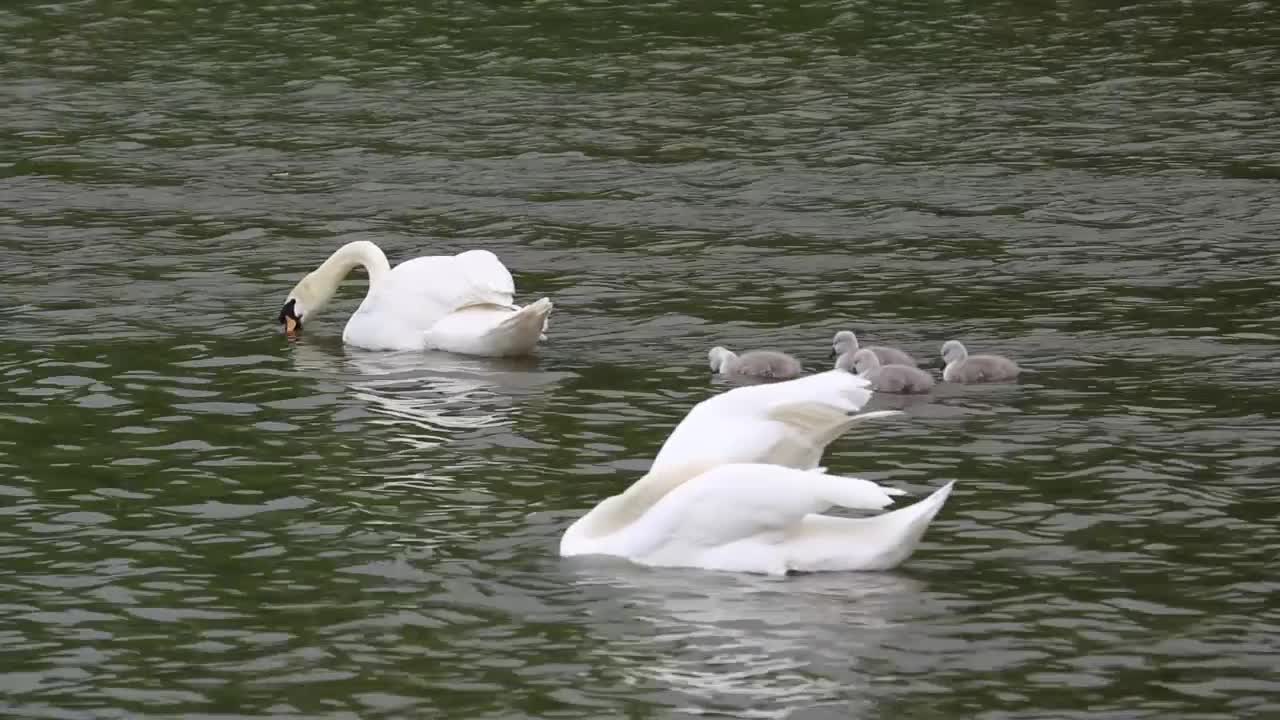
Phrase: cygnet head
[953,351]
[844,342]
[860,362]
[864,361]
[718,357]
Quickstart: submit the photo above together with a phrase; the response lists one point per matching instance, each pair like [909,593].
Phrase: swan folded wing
[487,280]
[419,292]
[475,277]
[738,516]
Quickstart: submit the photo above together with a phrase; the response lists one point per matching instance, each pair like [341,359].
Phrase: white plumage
[462,303]
[736,487]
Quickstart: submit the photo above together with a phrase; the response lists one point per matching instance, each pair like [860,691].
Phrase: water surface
[203,520]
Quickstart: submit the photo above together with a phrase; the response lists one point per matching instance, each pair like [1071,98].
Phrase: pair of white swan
[737,487]
[462,303]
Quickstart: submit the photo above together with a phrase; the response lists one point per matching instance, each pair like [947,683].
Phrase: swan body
[846,342]
[755,363]
[460,303]
[736,487]
[886,378]
[961,367]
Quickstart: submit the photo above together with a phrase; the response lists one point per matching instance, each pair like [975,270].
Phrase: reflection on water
[746,645]
[427,396]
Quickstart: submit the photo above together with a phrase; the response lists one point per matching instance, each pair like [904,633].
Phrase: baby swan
[846,342]
[756,363]
[965,368]
[885,378]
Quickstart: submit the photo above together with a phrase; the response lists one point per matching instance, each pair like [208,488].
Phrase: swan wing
[739,516]
[422,290]
[788,423]
[483,279]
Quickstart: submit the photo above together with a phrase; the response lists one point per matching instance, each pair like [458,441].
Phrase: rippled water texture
[200,519]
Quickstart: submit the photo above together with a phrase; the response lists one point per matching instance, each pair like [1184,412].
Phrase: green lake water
[199,519]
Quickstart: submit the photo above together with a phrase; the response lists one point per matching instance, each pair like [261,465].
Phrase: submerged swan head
[317,288]
[953,351]
[304,300]
[719,358]
[844,342]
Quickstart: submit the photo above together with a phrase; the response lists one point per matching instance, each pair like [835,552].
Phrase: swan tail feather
[881,542]
[522,329]
[490,331]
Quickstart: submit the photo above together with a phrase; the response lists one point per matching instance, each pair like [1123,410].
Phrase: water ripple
[201,519]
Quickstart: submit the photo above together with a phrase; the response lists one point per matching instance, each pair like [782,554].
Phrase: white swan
[736,487]
[461,303]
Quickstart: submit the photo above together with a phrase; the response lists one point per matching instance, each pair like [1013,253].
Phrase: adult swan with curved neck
[460,303]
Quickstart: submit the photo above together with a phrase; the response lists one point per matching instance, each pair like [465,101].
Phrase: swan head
[304,301]
[844,342]
[718,357]
[953,351]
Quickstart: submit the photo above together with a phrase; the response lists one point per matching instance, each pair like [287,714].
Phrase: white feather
[738,487]
[787,423]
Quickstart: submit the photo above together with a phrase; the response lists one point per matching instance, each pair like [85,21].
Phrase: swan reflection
[425,392]
[759,644]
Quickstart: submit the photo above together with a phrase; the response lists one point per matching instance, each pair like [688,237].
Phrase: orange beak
[290,326]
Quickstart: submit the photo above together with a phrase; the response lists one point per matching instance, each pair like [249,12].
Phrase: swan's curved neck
[318,287]
[350,256]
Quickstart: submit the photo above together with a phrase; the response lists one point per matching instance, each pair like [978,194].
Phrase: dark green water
[200,520]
